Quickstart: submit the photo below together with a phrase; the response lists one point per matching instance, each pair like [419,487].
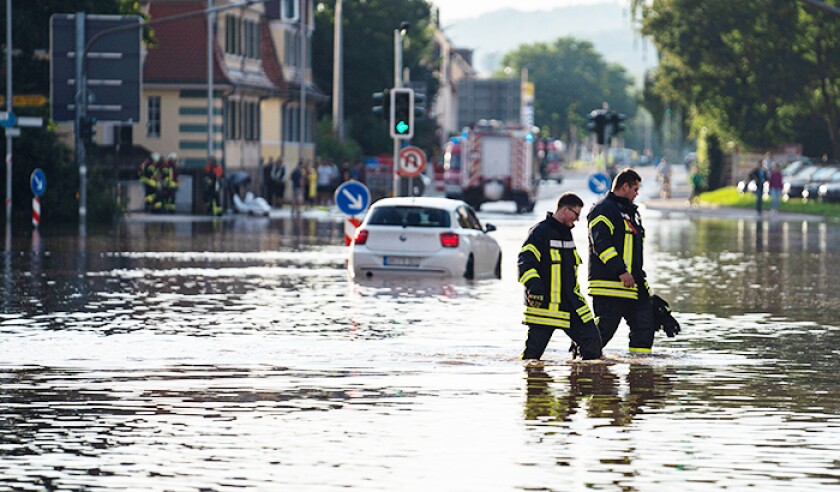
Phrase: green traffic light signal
[402,113]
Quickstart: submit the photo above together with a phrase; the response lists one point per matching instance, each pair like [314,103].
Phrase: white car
[425,235]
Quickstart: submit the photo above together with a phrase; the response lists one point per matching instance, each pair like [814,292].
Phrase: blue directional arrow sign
[352,197]
[599,183]
[38,182]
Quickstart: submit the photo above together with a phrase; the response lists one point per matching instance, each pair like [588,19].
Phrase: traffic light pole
[397,85]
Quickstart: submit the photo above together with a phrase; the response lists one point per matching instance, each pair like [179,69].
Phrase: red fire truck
[492,162]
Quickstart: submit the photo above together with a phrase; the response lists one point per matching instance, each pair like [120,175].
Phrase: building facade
[260,61]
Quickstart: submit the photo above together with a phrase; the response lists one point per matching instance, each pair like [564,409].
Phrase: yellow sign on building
[25,100]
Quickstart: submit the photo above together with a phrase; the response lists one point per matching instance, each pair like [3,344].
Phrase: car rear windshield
[409,216]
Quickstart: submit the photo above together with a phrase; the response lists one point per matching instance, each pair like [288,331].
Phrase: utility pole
[302,70]
[211,24]
[338,73]
[9,110]
[81,115]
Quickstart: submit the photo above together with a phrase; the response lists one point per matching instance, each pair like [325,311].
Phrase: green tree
[571,79]
[368,32]
[755,71]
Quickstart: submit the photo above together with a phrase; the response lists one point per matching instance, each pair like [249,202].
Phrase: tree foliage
[571,79]
[368,33]
[760,71]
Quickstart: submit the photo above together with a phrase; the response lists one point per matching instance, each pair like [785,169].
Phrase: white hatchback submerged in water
[424,235]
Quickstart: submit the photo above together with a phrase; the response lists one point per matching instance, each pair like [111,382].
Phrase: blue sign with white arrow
[38,182]
[352,197]
[599,183]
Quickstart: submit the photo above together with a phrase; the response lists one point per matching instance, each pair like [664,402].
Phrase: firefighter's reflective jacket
[548,263]
[616,237]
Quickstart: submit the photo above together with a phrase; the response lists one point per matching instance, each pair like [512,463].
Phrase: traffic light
[382,104]
[402,113]
[597,124]
[617,121]
[87,129]
[419,109]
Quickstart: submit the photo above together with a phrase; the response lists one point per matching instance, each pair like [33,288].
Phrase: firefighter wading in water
[617,283]
[548,265]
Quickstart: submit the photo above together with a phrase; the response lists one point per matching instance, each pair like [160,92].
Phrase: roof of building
[180,53]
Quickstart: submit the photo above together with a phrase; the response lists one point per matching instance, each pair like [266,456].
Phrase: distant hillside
[607,26]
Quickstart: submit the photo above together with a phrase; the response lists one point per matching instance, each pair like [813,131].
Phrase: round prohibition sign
[412,161]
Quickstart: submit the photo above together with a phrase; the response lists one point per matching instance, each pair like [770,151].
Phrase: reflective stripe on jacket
[548,263]
[616,239]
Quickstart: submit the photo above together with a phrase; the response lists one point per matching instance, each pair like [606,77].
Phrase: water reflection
[596,391]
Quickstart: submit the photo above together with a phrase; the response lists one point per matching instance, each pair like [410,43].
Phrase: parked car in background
[829,192]
[424,235]
[825,175]
[794,184]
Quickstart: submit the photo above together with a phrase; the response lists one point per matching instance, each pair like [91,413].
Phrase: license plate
[401,261]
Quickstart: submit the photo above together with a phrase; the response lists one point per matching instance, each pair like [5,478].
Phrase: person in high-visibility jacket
[617,280]
[548,263]
[149,174]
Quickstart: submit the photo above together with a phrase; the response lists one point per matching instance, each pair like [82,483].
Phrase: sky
[452,10]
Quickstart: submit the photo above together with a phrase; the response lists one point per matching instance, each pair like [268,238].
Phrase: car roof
[420,201]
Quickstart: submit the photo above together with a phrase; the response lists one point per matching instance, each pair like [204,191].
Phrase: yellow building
[256,86]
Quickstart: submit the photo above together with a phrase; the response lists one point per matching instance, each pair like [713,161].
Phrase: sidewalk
[315,213]
[678,203]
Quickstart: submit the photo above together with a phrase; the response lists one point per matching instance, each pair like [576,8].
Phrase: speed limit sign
[412,161]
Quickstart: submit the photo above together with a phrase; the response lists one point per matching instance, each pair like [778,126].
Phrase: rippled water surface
[238,355]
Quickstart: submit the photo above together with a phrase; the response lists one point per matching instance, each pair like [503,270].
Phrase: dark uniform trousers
[639,316]
[585,335]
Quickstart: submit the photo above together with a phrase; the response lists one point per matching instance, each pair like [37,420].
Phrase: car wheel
[469,271]
[498,271]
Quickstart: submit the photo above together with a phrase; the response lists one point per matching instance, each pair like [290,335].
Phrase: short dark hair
[626,175]
[569,199]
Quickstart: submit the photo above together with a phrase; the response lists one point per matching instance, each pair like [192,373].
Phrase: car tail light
[361,236]
[448,239]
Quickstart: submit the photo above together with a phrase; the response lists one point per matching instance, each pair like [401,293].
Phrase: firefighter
[169,182]
[548,263]
[617,281]
[149,176]
[212,184]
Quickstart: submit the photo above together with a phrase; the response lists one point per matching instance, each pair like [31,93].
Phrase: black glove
[534,299]
[662,317]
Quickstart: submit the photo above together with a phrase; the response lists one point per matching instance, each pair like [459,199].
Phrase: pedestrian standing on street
[759,176]
[278,181]
[663,175]
[617,280]
[548,263]
[776,184]
[698,183]
[298,187]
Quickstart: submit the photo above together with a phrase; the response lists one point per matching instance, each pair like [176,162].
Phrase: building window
[153,116]
[232,126]
[233,43]
[251,121]
[289,10]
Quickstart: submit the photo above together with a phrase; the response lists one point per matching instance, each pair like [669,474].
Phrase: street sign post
[412,161]
[38,182]
[352,197]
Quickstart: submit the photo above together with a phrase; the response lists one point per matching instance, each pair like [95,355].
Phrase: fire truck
[492,162]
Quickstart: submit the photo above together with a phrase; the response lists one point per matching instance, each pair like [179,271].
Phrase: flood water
[238,355]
